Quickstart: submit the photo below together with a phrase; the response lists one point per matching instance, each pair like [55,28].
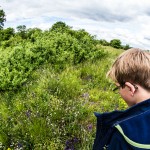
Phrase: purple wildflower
[70,144]
[28,113]
[89,127]
[19,145]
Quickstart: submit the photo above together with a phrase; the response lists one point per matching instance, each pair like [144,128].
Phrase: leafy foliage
[126,47]
[116,43]
[32,33]
[104,42]
[21,29]
[60,27]
[7,33]
[2,18]
[59,49]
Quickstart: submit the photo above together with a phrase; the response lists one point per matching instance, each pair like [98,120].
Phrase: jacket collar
[106,122]
[110,118]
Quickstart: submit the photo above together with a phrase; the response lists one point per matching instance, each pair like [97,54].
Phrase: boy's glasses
[118,87]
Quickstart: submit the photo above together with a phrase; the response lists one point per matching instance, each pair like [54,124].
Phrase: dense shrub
[60,27]
[15,67]
[103,42]
[126,47]
[59,49]
[116,43]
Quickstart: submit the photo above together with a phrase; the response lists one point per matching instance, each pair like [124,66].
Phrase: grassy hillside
[51,83]
[54,109]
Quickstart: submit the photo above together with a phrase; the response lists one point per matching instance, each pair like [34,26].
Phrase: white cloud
[127,20]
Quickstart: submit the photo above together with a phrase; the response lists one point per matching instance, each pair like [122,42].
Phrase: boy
[129,129]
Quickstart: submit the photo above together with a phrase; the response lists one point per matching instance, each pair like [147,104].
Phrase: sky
[127,20]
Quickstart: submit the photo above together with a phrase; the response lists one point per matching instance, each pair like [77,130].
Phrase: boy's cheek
[127,97]
[130,102]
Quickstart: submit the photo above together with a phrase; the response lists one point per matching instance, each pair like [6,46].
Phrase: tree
[7,33]
[104,42]
[21,29]
[126,47]
[116,43]
[60,27]
[2,18]
[33,33]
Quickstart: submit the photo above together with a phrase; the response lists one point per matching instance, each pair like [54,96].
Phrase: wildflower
[28,113]
[70,144]
[75,140]
[90,127]
[85,96]
[20,145]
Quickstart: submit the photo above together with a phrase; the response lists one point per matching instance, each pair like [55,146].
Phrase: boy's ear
[131,87]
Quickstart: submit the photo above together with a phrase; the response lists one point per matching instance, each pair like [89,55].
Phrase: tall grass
[55,110]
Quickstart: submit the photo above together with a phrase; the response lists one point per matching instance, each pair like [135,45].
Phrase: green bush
[116,43]
[103,42]
[59,49]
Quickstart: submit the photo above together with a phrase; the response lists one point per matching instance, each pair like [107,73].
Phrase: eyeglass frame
[122,86]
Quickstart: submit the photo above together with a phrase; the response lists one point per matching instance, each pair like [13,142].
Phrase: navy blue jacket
[124,130]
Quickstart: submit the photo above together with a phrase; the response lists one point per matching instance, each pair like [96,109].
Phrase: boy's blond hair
[132,66]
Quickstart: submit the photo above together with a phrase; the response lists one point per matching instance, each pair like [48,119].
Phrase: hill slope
[54,108]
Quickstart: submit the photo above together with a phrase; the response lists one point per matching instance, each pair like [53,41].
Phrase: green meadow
[51,83]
